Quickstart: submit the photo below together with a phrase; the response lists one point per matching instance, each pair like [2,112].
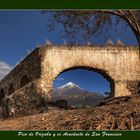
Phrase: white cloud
[4,69]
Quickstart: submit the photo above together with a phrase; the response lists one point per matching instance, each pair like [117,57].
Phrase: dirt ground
[121,113]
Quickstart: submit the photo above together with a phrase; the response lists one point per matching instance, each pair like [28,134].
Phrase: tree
[131,17]
[86,23]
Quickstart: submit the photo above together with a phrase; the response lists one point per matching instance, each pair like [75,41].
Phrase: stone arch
[24,81]
[138,88]
[11,89]
[2,94]
[100,71]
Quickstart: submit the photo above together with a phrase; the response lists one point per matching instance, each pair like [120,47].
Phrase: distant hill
[76,96]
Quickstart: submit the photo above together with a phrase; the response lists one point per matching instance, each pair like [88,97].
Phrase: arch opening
[92,78]
[24,81]
[2,94]
[138,88]
[11,89]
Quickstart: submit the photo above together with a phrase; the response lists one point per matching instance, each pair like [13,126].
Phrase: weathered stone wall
[26,101]
[30,67]
[118,64]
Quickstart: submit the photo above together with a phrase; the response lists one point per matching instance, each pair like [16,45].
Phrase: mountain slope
[76,96]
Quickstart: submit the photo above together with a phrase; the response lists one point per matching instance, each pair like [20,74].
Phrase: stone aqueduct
[36,73]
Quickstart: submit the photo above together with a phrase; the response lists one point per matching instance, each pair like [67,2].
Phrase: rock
[62,103]
[134,87]
[59,103]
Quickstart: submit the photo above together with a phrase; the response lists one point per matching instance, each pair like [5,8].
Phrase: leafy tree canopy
[88,23]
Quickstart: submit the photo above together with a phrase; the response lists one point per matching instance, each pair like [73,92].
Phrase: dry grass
[113,115]
[88,47]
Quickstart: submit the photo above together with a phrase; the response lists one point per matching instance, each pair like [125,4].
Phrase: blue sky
[22,31]
[84,78]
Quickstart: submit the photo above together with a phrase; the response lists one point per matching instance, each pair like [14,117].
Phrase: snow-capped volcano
[69,85]
[68,89]
[76,96]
